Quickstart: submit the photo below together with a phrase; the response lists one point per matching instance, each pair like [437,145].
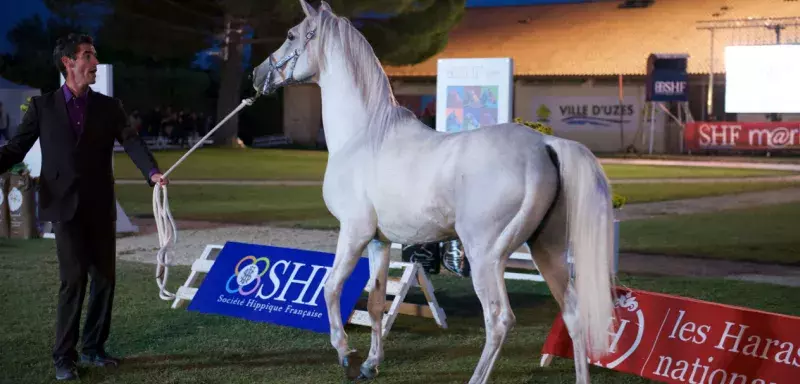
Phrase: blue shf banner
[283,286]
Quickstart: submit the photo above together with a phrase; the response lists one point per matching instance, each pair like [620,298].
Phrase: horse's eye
[290,36]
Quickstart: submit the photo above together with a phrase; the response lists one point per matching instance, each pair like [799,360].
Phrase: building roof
[598,38]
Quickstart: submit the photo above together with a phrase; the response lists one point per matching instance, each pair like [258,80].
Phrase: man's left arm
[134,146]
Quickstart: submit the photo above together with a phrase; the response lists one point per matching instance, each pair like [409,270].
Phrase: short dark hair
[68,46]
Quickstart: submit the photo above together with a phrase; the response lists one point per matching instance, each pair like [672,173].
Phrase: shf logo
[244,276]
[249,278]
[670,87]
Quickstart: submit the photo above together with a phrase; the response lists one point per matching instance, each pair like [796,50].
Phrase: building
[581,53]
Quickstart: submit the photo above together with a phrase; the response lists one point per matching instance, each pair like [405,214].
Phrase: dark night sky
[12,11]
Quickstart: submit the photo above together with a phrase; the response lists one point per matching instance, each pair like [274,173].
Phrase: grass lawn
[244,164]
[239,204]
[273,164]
[757,158]
[767,234]
[303,206]
[163,345]
[626,171]
[652,192]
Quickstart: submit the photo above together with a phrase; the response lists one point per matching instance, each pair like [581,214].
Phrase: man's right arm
[14,151]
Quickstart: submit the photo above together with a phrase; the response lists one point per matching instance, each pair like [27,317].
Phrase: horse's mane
[382,108]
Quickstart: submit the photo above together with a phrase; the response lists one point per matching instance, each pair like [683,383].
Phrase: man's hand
[158,179]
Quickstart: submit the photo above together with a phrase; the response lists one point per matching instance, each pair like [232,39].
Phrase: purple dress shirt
[76,109]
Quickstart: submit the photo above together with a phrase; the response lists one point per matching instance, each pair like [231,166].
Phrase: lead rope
[167,232]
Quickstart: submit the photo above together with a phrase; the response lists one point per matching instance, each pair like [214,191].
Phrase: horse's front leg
[379,274]
[348,251]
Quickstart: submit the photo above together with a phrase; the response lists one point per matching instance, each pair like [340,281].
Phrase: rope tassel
[167,231]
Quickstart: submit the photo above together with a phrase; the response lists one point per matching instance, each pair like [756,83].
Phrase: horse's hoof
[367,373]
[350,363]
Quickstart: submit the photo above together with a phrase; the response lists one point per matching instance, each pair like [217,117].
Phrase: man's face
[83,69]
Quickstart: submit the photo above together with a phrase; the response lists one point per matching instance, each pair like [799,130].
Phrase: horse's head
[292,63]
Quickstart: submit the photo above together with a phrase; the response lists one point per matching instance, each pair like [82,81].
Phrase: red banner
[673,339]
[742,136]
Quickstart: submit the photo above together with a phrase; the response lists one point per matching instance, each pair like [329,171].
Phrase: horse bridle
[291,61]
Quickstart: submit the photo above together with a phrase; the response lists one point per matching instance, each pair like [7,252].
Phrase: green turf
[273,164]
[765,234]
[626,171]
[162,345]
[724,158]
[240,204]
[241,164]
[653,192]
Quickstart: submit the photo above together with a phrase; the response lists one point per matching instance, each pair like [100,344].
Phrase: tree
[404,32]
[31,63]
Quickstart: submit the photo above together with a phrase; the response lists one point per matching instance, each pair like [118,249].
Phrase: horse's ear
[307,9]
[325,7]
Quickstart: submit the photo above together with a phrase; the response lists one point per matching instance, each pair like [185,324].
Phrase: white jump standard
[495,188]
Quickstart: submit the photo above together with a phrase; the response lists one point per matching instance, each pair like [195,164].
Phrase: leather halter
[289,61]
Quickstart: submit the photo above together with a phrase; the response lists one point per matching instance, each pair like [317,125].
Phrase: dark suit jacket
[76,169]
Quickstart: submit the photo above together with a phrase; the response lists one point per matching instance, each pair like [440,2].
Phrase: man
[77,128]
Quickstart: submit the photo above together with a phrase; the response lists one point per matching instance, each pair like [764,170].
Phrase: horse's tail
[590,238]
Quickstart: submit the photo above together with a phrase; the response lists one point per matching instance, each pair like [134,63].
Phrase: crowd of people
[177,126]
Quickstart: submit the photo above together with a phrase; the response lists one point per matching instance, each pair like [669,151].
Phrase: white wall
[591,114]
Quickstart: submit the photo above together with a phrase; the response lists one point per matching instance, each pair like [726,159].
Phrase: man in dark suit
[77,128]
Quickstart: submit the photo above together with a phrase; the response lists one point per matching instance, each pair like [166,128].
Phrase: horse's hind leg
[549,253]
[487,279]
[379,274]
[350,246]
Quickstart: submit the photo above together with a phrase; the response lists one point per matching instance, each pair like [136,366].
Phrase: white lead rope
[167,232]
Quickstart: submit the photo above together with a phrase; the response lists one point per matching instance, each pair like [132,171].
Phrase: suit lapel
[88,121]
[65,128]
[89,118]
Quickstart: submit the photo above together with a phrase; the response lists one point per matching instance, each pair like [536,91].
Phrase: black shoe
[99,360]
[66,370]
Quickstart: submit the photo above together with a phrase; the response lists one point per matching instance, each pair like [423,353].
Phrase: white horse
[494,188]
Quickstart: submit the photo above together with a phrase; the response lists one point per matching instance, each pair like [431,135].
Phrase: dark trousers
[86,248]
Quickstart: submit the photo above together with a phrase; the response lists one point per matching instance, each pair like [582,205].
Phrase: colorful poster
[470,107]
[475,93]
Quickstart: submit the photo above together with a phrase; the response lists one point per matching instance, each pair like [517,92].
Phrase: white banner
[472,93]
[596,120]
[569,113]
